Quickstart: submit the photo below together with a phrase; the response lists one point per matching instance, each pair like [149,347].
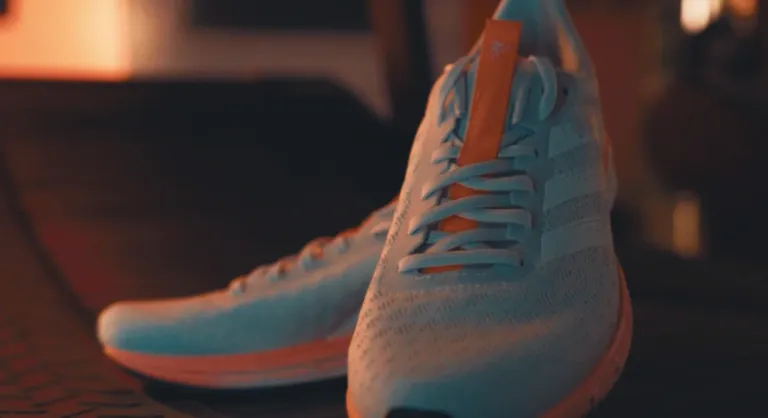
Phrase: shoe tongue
[489,86]
[523,77]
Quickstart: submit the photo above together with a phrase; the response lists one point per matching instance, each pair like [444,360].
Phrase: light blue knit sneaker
[498,293]
[285,323]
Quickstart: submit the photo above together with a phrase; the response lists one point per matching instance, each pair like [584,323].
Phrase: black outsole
[417,413]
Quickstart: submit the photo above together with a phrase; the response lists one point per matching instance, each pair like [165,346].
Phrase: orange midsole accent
[282,357]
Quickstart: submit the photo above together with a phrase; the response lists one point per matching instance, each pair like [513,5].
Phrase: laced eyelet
[281,271]
[316,254]
[238,286]
[344,244]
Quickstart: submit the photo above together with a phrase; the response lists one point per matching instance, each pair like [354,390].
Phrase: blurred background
[128,124]
[162,147]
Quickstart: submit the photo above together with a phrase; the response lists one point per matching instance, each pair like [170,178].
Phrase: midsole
[309,354]
[216,379]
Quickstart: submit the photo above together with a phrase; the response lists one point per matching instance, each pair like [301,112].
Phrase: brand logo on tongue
[499,48]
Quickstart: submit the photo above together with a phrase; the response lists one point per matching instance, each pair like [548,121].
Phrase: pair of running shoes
[488,288]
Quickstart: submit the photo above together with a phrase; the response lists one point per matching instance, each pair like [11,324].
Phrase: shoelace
[313,251]
[500,213]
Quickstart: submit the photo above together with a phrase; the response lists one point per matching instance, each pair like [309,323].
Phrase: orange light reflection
[73,39]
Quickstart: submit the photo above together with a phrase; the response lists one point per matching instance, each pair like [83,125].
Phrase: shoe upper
[300,299]
[536,301]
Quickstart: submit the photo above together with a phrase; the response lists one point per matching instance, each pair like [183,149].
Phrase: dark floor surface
[95,210]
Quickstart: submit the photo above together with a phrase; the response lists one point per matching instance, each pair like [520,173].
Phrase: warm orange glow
[81,39]
[696,15]
[743,8]
[686,226]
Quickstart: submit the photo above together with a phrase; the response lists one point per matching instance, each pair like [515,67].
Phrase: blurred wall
[64,39]
[617,43]
[445,42]
[164,44]
[154,39]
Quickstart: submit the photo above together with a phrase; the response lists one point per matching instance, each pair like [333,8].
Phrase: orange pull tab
[493,86]
[488,108]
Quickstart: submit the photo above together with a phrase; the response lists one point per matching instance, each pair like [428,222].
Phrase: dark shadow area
[706,134]
[200,181]
[336,15]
